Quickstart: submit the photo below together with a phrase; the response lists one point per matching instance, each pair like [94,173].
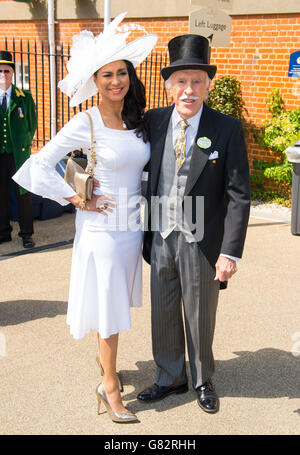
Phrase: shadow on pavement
[19,311]
[39,249]
[266,373]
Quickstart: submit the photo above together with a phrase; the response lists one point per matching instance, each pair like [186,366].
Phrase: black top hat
[6,58]
[189,52]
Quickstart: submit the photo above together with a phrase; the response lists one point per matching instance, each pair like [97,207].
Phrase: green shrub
[270,197]
[276,134]
[226,97]
[268,172]
[275,102]
[280,132]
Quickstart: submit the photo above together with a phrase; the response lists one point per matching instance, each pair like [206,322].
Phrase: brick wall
[258,55]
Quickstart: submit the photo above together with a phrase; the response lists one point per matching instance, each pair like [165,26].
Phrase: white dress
[106,272]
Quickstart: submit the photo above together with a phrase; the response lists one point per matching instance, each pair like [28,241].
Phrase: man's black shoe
[207,398]
[156,392]
[5,239]
[28,242]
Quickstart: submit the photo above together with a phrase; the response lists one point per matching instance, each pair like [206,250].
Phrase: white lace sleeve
[38,173]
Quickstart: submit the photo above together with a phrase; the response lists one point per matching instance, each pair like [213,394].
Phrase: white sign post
[214,24]
[106,13]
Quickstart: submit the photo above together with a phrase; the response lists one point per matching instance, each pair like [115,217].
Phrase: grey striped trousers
[181,273]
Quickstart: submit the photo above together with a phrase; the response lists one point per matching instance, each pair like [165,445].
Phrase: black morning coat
[224,182]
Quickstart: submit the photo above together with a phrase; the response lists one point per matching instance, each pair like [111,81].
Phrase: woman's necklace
[112,122]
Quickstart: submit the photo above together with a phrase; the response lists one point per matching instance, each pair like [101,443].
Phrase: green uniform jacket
[20,122]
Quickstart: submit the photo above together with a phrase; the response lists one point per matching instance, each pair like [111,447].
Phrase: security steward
[18,122]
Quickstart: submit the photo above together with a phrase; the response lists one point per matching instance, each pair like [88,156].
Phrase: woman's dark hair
[134,104]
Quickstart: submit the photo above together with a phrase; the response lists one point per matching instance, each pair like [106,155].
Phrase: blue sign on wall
[294,67]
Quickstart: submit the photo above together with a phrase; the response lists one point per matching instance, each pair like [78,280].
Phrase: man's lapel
[13,102]
[157,146]
[207,129]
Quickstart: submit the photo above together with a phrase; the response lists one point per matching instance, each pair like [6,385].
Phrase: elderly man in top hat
[198,209]
[18,123]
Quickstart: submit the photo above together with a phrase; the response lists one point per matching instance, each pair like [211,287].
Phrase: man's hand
[225,268]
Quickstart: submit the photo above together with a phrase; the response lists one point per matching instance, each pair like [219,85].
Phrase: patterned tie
[180,143]
[4,103]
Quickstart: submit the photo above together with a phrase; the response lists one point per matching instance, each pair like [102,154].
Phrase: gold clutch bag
[79,180]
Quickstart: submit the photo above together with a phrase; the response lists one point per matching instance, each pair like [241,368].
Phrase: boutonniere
[204,142]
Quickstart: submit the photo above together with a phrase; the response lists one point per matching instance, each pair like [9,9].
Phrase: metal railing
[32,73]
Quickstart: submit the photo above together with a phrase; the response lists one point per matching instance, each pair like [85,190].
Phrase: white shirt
[8,95]
[191,133]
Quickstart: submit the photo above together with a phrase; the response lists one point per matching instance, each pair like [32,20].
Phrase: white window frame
[18,75]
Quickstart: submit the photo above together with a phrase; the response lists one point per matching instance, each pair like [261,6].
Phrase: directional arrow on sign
[210,38]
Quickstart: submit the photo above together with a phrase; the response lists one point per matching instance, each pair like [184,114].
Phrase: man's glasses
[5,71]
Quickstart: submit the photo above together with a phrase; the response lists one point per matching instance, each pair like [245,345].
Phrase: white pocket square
[214,155]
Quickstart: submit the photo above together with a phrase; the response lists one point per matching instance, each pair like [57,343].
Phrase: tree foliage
[276,134]
[226,97]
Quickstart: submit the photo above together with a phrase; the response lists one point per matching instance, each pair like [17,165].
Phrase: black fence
[32,62]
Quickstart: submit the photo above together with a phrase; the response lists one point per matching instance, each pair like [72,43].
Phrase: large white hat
[89,53]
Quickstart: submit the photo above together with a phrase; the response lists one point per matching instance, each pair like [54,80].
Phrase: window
[22,75]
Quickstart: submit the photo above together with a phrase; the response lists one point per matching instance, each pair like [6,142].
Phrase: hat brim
[7,62]
[168,70]
[135,51]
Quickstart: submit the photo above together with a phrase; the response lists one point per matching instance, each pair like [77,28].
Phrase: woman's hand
[95,181]
[100,204]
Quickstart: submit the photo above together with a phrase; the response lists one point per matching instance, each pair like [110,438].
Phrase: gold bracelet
[82,205]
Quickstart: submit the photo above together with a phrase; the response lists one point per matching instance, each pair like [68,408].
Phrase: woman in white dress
[106,263]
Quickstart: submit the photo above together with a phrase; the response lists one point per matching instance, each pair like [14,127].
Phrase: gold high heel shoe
[115,416]
[118,374]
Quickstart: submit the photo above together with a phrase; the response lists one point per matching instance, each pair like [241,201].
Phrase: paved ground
[47,379]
